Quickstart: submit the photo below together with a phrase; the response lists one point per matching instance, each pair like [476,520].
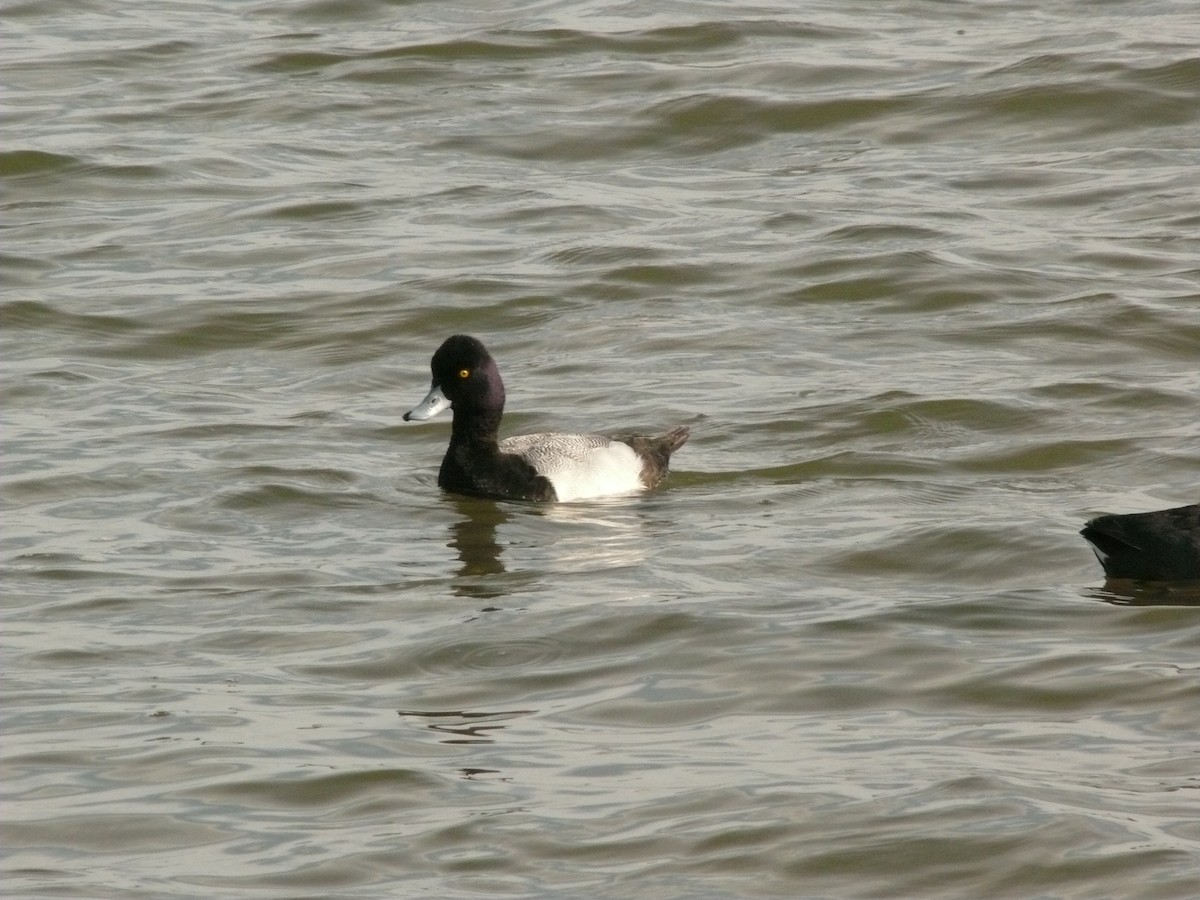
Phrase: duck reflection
[473,538]
[460,726]
[597,535]
[1125,592]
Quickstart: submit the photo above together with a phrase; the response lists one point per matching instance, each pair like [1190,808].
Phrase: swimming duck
[1163,545]
[547,467]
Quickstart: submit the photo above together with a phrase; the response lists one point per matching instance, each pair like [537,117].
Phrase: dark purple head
[465,378]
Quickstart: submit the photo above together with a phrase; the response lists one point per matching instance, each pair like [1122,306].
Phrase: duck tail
[672,440]
[655,452]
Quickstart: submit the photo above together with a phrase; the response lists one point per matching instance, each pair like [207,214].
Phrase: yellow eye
[464,373]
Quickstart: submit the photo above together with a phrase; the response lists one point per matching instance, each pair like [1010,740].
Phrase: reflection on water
[473,538]
[598,534]
[1123,592]
[464,727]
[594,535]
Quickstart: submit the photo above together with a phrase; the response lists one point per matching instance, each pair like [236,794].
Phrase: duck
[544,467]
[1163,545]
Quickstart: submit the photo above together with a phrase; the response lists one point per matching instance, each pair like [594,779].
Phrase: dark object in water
[1152,546]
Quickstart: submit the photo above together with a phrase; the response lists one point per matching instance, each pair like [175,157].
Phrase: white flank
[580,466]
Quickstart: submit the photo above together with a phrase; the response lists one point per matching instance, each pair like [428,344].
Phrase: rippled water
[921,277]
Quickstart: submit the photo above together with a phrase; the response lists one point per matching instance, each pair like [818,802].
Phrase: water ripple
[922,281]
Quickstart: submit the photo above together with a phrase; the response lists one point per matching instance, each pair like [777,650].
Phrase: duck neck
[474,425]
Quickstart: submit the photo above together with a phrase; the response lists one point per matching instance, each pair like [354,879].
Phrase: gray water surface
[922,279]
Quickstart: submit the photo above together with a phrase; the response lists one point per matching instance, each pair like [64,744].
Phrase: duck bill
[435,401]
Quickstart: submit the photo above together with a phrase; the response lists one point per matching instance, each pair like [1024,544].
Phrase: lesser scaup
[1152,546]
[547,466]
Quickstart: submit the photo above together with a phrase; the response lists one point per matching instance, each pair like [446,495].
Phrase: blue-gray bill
[435,402]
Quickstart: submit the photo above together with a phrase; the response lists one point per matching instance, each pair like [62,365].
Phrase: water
[922,279]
